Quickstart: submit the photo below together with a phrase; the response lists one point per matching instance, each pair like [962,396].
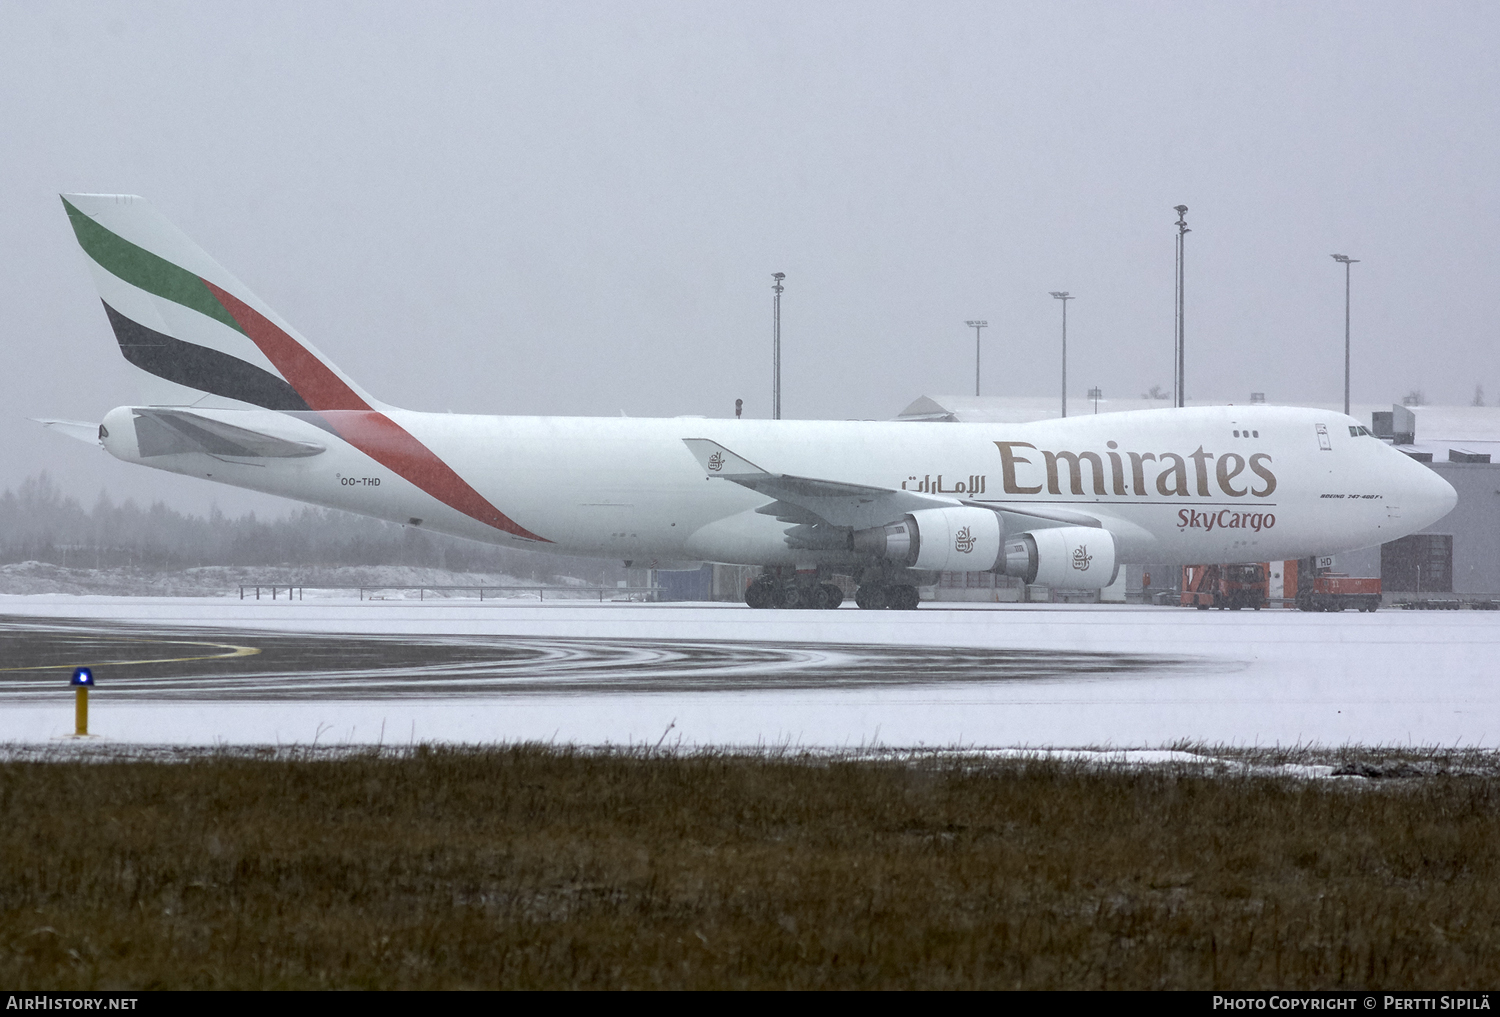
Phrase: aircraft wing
[808,501]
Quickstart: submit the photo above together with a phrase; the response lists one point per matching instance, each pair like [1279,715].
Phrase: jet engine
[959,539]
[1071,557]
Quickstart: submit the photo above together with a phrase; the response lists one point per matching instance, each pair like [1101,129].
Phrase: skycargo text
[1226,519]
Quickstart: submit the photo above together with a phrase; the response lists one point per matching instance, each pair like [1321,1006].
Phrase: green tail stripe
[141,268]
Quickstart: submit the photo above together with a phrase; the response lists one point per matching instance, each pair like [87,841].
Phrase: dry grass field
[531,867]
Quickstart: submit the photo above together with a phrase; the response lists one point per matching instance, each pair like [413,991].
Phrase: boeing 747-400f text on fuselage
[1060,503]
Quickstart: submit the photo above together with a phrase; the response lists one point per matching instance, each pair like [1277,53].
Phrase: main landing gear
[779,588]
[877,596]
[765,592]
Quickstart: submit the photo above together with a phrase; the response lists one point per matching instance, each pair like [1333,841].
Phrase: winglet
[718,461]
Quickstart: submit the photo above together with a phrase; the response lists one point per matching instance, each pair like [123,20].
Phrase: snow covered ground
[34,577]
[1255,678]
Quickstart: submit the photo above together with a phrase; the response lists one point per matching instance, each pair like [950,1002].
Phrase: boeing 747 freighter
[1062,502]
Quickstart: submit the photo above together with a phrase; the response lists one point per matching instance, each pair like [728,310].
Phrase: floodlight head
[1061,294]
[778,276]
[82,677]
[1179,209]
[977,324]
[1344,259]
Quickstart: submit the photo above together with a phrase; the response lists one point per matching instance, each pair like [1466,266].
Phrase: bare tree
[40,523]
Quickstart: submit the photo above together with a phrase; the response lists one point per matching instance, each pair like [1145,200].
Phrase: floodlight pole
[1179,381]
[1064,297]
[776,347]
[1346,261]
[976,326]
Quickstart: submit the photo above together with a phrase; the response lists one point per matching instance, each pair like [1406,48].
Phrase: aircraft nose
[1428,496]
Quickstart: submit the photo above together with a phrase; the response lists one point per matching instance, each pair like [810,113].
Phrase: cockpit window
[1355,432]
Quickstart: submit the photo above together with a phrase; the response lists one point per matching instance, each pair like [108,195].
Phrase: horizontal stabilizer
[78,430]
[163,432]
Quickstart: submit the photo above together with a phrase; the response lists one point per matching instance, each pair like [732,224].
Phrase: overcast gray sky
[575,208]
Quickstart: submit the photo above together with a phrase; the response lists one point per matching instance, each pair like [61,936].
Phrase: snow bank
[34,577]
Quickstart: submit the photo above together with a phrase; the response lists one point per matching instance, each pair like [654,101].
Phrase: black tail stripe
[201,368]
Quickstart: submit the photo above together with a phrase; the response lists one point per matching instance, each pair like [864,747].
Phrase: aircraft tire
[792,598]
[832,596]
[871,597]
[905,598]
[758,595]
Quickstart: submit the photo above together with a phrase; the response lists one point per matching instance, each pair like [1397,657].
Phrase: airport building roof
[1023,409]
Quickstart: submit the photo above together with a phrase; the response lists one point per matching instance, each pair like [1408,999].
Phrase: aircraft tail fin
[178,315]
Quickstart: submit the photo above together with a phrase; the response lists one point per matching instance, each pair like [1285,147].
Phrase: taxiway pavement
[1033,675]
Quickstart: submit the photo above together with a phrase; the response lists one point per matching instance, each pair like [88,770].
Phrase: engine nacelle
[958,539]
[1070,557]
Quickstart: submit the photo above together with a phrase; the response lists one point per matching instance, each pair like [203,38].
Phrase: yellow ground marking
[234,651]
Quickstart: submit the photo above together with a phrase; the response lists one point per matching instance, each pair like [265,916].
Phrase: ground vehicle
[1225,586]
[1312,590]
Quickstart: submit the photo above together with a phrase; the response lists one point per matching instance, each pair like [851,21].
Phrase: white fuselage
[1170,485]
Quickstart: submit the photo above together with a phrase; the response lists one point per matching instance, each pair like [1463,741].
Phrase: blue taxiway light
[82,676]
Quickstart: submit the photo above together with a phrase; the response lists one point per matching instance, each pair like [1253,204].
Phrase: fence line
[641,593]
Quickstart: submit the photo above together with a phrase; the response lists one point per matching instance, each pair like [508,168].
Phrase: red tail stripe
[389,444]
[368,430]
[319,387]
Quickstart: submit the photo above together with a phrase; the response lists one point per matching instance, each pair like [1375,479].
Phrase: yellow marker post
[83,680]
